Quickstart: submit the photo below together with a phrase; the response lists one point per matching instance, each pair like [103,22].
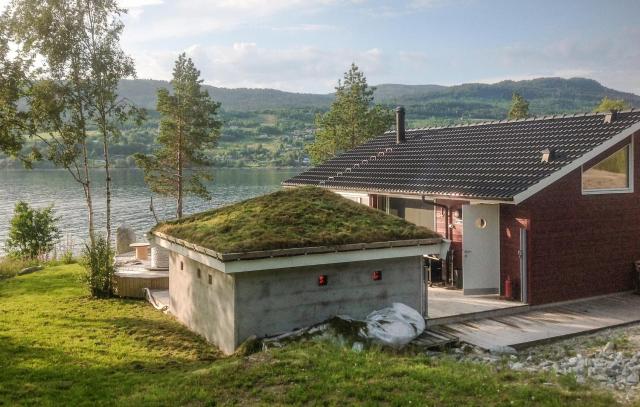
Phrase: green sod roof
[291,218]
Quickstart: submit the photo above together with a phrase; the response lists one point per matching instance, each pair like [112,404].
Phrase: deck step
[433,338]
[474,316]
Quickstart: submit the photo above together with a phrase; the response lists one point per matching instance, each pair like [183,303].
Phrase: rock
[251,345]
[502,350]
[30,270]
[609,347]
[124,237]
[516,366]
[633,379]
[357,347]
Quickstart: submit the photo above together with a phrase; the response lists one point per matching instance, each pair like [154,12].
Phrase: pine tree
[188,128]
[519,107]
[351,120]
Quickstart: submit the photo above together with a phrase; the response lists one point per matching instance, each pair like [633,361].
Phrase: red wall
[579,245]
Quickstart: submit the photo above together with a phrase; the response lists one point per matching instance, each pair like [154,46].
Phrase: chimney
[400,136]
[547,155]
[610,117]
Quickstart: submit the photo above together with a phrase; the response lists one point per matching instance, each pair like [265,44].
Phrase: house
[541,210]
[290,259]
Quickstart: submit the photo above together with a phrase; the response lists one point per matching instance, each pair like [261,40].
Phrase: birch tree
[189,129]
[70,82]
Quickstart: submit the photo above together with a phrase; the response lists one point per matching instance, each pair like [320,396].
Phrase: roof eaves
[556,175]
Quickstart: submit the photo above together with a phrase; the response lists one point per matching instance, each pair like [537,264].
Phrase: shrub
[97,259]
[33,232]
[67,257]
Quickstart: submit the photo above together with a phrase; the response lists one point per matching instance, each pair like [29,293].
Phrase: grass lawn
[58,346]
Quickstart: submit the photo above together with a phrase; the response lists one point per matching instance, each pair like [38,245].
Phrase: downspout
[448,260]
[446,214]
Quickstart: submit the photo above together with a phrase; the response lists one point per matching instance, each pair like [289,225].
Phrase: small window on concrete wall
[611,175]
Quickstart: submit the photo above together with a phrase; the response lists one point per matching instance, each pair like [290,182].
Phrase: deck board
[549,323]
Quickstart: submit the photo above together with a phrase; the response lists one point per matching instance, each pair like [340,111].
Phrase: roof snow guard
[497,161]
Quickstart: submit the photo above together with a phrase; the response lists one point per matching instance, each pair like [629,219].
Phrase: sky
[306,45]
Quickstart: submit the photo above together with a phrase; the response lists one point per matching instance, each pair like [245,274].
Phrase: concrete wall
[207,309]
[275,301]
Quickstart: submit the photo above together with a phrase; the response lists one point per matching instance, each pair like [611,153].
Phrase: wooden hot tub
[130,283]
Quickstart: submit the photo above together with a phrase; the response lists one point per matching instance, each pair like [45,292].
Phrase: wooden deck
[433,338]
[444,303]
[132,277]
[547,323]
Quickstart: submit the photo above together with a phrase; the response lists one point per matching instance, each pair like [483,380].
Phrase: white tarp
[394,326]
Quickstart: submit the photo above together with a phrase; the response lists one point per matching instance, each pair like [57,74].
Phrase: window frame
[630,174]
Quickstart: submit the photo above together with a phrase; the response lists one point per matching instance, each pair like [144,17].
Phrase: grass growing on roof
[60,347]
[296,217]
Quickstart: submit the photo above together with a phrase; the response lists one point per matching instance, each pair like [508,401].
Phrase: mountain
[143,93]
[471,100]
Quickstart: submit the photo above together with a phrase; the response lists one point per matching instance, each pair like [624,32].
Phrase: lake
[130,197]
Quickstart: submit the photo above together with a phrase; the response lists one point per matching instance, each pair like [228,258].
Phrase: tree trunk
[179,200]
[107,171]
[87,193]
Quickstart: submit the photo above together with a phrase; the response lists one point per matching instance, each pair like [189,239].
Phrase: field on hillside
[58,346]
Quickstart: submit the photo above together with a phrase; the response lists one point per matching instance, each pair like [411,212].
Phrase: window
[199,273]
[210,279]
[613,174]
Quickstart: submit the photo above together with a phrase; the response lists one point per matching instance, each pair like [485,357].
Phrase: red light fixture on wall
[376,275]
[322,279]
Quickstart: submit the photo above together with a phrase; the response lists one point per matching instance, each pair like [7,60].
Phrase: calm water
[130,199]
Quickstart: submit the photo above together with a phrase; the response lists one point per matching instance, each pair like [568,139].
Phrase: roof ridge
[504,121]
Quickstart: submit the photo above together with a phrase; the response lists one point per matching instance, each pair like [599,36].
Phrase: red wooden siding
[579,245]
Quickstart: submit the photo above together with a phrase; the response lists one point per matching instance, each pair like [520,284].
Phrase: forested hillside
[268,127]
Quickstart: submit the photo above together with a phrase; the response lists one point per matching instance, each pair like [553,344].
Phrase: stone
[124,237]
[517,366]
[357,347]
[502,350]
[633,378]
[609,347]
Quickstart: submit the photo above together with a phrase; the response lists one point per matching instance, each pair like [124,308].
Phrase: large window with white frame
[611,175]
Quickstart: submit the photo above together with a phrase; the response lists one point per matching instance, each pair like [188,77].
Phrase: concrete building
[228,296]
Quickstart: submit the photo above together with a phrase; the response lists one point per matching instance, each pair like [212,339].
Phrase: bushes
[97,259]
[33,232]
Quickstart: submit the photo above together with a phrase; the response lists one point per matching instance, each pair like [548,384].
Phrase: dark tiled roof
[495,160]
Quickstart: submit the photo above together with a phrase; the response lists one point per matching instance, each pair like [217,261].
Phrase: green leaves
[33,233]
[189,127]
[611,105]
[352,119]
[519,107]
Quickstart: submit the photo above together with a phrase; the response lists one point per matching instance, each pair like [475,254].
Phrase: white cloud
[306,27]
[246,64]
[185,18]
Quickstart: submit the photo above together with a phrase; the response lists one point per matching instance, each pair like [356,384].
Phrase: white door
[481,249]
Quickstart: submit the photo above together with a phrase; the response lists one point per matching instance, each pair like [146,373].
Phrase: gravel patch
[609,359]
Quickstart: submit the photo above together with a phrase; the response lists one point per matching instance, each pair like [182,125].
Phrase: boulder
[124,237]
